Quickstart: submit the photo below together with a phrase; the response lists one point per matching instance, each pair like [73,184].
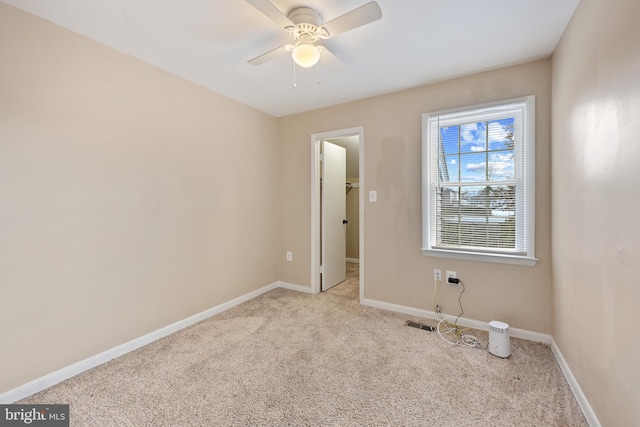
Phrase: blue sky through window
[478,152]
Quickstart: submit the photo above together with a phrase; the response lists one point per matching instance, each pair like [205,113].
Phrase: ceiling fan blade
[329,59]
[272,12]
[358,17]
[272,54]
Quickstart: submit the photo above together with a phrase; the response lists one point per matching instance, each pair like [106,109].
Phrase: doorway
[352,140]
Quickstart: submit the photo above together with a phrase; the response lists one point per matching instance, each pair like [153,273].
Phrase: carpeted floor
[291,359]
[350,288]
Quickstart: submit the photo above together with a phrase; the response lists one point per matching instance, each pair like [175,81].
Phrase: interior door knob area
[344,221]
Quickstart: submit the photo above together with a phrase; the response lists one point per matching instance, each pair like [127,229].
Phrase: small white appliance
[499,344]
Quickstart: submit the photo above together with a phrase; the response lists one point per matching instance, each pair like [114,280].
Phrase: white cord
[436,309]
[452,334]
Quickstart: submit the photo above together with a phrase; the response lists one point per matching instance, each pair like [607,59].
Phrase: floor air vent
[420,326]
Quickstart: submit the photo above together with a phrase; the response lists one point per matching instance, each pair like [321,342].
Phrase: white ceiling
[416,42]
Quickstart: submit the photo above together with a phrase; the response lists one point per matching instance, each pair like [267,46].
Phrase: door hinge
[321,269]
[321,157]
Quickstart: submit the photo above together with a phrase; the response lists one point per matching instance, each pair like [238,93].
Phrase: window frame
[526,175]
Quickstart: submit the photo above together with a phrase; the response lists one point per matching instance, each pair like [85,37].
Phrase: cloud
[469,132]
[453,162]
[476,167]
[502,170]
[474,133]
[502,157]
[497,132]
[501,165]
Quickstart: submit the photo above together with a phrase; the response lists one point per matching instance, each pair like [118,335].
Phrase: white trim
[67,372]
[530,335]
[525,179]
[587,410]
[316,138]
[294,287]
[399,308]
[470,323]
[353,260]
[480,256]
[315,214]
[361,236]
[74,369]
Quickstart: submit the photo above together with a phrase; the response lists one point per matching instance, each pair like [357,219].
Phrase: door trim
[316,138]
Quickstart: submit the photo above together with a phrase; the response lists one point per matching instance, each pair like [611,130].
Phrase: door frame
[316,224]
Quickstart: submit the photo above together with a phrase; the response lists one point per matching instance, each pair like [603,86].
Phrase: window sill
[474,256]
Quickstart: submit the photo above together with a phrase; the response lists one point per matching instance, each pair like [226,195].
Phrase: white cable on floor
[453,334]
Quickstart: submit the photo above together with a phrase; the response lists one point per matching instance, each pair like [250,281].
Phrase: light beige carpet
[291,359]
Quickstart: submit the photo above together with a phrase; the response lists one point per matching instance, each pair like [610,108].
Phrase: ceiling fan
[305,27]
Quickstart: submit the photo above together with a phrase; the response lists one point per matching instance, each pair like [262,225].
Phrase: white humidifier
[499,344]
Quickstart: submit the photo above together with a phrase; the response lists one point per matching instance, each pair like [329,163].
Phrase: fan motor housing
[305,15]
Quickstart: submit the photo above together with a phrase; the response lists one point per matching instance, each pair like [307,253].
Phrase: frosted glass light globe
[306,55]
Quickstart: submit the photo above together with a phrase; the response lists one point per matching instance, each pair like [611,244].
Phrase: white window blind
[478,182]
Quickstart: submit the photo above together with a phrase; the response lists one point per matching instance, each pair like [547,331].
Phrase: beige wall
[395,270]
[122,209]
[596,205]
[129,198]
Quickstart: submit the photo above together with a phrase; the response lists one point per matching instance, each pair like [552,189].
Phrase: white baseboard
[67,372]
[398,308]
[469,323]
[298,288]
[587,410]
[514,332]
[353,260]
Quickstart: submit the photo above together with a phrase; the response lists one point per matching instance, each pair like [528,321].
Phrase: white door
[334,211]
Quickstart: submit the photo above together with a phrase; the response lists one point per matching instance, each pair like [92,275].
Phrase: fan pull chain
[317,74]
[294,74]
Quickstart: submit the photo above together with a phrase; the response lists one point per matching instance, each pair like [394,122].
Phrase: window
[478,167]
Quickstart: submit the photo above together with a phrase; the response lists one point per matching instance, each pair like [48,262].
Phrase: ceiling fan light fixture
[306,55]
[304,25]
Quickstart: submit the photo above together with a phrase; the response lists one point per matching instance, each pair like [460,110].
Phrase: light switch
[373,196]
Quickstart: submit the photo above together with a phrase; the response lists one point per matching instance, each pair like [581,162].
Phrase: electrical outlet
[451,275]
[289,256]
[438,309]
[437,274]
